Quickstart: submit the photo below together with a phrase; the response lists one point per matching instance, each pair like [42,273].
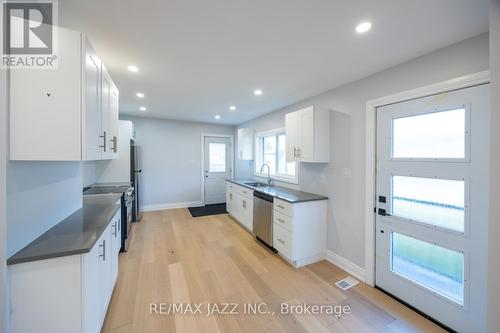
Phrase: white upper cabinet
[55,114]
[245,144]
[308,135]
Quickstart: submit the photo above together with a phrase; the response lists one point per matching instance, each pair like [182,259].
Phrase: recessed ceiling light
[232,108]
[363,27]
[140,95]
[142,108]
[217,117]
[258,92]
[132,68]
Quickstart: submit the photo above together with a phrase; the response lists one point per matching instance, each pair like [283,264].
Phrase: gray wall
[494,230]
[39,195]
[344,175]
[171,160]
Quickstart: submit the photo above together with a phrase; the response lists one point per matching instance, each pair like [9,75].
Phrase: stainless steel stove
[127,201]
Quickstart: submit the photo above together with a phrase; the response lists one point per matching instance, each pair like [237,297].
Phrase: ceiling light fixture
[363,27]
[132,68]
[217,117]
[140,95]
[232,108]
[142,108]
[258,92]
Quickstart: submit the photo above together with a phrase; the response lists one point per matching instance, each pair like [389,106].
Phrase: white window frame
[258,136]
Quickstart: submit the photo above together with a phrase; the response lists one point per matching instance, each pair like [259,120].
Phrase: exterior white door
[432,205]
[218,157]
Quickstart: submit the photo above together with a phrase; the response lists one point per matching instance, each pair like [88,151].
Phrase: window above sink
[270,149]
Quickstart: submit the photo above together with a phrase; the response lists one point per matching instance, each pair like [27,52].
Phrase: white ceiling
[196,58]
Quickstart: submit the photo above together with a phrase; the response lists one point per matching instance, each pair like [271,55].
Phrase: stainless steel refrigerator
[135,171]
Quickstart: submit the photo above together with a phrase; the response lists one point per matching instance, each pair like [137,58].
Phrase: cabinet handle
[115,145]
[244,204]
[280,206]
[103,246]
[280,220]
[104,141]
[114,229]
[299,152]
[281,241]
[294,151]
[230,196]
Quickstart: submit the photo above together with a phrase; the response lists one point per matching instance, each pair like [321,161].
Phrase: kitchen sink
[257,185]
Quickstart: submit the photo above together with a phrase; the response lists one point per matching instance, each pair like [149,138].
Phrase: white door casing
[413,281]
[217,168]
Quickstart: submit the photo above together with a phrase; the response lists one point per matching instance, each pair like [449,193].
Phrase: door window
[217,157]
[429,265]
[439,202]
[438,135]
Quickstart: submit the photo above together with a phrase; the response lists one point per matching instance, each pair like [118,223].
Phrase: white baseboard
[308,260]
[150,208]
[346,265]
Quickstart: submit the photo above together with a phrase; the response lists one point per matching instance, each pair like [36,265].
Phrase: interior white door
[432,194]
[218,157]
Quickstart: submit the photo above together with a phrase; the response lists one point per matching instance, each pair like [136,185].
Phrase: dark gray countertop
[116,184]
[76,234]
[289,195]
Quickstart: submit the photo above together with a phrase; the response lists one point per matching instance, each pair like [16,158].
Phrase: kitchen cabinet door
[45,115]
[92,264]
[306,135]
[238,207]
[105,271]
[292,129]
[106,83]
[115,248]
[248,204]
[93,138]
[245,144]
[230,202]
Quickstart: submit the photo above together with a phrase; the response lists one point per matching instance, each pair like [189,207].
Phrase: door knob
[382,212]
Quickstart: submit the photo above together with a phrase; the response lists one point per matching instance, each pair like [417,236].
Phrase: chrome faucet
[269,180]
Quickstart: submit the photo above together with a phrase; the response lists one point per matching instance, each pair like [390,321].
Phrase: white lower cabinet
[239,203]
[66,294]
[299,231]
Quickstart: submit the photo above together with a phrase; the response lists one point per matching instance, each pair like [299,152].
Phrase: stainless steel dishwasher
[263,218]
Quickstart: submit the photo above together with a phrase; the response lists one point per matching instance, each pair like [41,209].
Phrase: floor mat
[207,210]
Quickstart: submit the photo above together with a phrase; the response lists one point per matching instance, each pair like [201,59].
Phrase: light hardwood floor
[174,258]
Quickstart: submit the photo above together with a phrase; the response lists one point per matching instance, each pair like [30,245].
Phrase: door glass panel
[439,202]
[217,157]
[429,265]
[433,135]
